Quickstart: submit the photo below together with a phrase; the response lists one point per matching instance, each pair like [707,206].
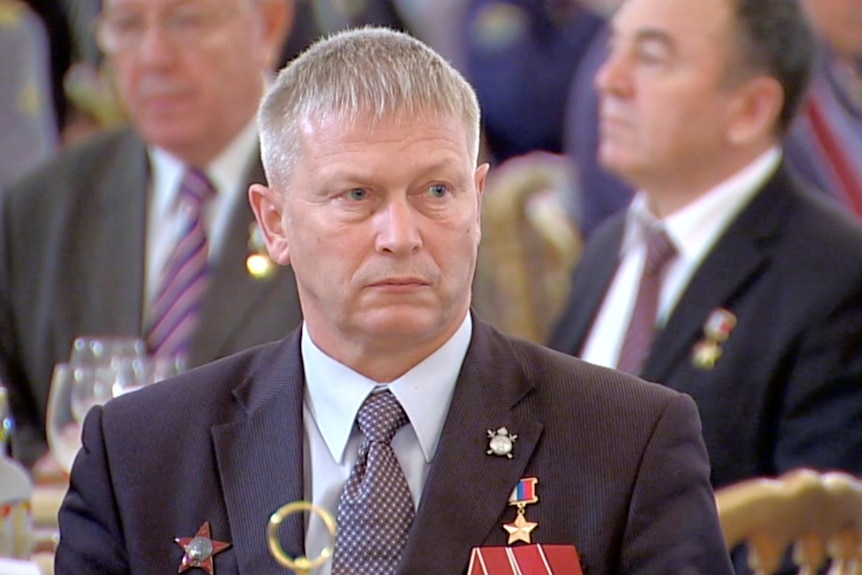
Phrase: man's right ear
[268,207]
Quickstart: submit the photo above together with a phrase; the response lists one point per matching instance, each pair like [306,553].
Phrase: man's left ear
[756,110]
[268,207]
[480,176]
[276,21]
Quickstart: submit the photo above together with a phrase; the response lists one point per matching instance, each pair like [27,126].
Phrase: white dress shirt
[334,393]
[693,230]
[165,220]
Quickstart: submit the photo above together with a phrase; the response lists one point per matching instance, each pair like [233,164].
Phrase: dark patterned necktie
[642,327]
[375,510]
[174,313]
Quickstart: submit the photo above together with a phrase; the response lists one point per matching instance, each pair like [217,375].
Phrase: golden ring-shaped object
[300,565]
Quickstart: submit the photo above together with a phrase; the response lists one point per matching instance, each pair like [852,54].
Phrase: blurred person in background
[824,145]
[146,230]
[28,129]
[726,278]
[61,50]
[826,142]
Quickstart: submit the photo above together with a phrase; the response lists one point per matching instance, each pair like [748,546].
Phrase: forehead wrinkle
[421,167]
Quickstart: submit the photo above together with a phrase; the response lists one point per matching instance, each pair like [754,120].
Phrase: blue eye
[438,190]
[357,194]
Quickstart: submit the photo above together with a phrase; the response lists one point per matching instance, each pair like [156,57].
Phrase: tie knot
[380,417]
[196,188]
[660,249]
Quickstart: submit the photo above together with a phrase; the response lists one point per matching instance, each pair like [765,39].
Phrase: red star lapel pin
[198,551]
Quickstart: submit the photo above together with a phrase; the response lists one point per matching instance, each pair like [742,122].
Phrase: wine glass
[64,430]
[99,369]
[131,373]
[102,350]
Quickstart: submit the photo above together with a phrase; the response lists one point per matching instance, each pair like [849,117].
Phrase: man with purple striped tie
[145,231]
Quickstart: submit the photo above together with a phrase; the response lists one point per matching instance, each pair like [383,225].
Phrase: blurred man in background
[145,231]
[826,142]
[726,278]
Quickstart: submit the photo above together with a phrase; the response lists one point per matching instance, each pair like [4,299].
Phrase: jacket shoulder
[79,163]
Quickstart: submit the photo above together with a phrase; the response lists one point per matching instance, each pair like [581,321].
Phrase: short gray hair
[370,72]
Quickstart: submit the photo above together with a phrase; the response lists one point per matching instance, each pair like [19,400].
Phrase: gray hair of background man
[370,72]
[775,38]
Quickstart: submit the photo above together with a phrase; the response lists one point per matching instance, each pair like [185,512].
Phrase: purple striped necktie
[642,326]
[174,313]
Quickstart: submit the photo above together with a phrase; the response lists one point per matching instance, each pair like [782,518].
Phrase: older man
[145,231]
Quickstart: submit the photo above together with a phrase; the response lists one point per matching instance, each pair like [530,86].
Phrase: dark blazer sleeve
[672,523]
[823,396]
[92,538]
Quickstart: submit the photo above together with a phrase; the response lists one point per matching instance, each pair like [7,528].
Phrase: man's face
[839,22]
[381,227]
[664,109]
[190,72]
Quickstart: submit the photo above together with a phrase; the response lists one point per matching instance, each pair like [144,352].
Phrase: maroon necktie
[175,311]
[642,327]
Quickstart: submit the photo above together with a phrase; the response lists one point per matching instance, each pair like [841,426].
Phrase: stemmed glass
[64,423]
[96,350]
[99,369]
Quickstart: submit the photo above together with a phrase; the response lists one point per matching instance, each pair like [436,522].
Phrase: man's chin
[403,324]
[617,162]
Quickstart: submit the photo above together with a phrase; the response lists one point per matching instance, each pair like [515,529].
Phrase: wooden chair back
[819,515]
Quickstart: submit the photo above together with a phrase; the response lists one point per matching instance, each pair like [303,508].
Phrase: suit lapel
[734,263]
[466,493]
[111,233]
[233,293]
[260,457]
[589,287]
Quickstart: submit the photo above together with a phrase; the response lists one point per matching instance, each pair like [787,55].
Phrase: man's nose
[613,77]
[398,227]
[154,45]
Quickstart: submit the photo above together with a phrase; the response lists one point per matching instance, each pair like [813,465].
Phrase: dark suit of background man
[82,238]
[370,142]
[760,312]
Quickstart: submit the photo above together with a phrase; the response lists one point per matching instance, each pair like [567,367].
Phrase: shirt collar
[227,171]
[334,392]
[695,228]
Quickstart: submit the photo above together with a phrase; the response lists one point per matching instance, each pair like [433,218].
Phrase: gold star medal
[524,494]
[198,551]
[706,354]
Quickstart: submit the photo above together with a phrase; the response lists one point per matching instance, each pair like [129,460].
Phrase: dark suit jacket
[787,391]
[72,242]
[621,467]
